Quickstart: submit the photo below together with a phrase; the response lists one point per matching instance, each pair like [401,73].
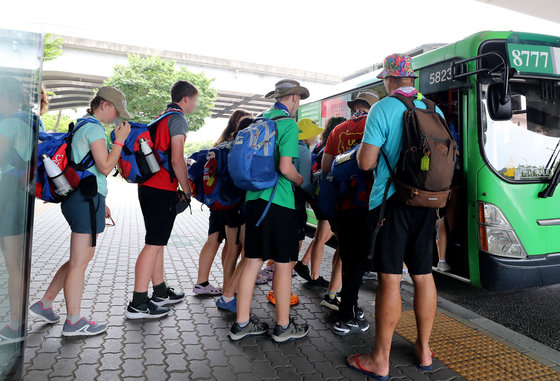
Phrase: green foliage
[192,147]
[49,120]
[52,48]
[147,82]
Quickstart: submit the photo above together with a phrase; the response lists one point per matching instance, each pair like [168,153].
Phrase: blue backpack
[132,164]
[220,193]
[58,146]
[195,164]
[251,159]
[352,185]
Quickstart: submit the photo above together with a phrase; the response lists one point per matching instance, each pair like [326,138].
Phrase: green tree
[146,82]
[192,147]
[49,120]
[52,48]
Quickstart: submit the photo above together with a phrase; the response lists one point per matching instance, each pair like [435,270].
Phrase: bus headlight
[496,235]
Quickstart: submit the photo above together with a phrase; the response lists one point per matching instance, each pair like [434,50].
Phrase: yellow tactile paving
[474,355]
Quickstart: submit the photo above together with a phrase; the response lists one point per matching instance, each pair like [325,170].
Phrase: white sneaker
[443,266]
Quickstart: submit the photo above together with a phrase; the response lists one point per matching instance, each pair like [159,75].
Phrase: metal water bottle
[61,185]
[149,155]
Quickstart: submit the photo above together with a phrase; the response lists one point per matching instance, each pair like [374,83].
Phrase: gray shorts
[76,210]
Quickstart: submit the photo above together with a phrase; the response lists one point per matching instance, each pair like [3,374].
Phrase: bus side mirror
[499,102]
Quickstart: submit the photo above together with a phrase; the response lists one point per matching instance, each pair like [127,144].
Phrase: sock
[284,326]
[442,261]
[139,298]
[160,290]
[332,294]
[73,319]
[204,284]
[46,303]
[228,299]
[405,271]
[243,324]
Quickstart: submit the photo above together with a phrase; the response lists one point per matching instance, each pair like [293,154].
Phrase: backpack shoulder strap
[165,115]
[430,105]
[280,117]
[408,101]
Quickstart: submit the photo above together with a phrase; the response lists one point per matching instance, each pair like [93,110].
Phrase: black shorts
[276,237]
[159,208]
[301,212]
[407,235]
[219,219]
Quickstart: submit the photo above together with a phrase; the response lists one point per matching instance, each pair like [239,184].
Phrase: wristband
[118,143]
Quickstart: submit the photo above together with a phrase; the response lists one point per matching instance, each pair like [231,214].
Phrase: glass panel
[20,68]
[526,147]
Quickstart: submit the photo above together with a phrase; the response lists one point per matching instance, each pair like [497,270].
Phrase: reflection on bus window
[527,146]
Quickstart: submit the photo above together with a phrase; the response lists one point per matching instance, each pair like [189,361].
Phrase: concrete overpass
[544,9]
[86,63]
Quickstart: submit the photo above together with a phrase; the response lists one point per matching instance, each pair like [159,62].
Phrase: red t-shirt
[346,135]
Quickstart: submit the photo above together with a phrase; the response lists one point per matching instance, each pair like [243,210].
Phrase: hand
[122,130]
[107,212]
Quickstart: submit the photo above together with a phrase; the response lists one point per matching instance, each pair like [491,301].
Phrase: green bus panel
[311,111]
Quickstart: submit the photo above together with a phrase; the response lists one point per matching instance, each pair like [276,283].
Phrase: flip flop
[366,372]
[426,368]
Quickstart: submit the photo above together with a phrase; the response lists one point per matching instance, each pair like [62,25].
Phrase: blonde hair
[44,100]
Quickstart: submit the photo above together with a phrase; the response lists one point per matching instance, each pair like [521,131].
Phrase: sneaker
[207,290]
[8,335]
[254,328]
[146,310]
[83,327]
[406,278]
[302,270]
[294,299]
[350,327]
[230,306]
[317,284]
[171,297]
[443,266]
[369,275]
[333,304]
[292,332]
[46,314]
[359,312]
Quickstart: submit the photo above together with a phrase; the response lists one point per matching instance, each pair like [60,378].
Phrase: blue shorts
[76,210]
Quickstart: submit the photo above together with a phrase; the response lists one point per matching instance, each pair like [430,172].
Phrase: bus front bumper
[499,273]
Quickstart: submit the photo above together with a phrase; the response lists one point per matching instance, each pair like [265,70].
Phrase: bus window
[524,147]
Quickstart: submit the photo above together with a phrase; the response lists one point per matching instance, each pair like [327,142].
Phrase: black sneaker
[253,328]
[317,284]
[292,332]
[302,270]
[351,326]
[333,304]
[359,313]
[171,297]
[146,310]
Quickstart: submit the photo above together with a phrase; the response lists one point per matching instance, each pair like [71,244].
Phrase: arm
[326,162]
[178,162]
[106,161]
[305,170]
[367,156]
[288,170]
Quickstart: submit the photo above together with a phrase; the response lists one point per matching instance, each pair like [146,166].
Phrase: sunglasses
[111,223]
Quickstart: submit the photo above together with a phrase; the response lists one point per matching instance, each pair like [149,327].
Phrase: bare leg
[307,256]
[282,286]
[158,275]
[233,251]
[229,291]
[145,267]
[442,241]
[387,315]
[81,253]
[11,247]
[207,255]
[246,287]
[425,304]
[322,235]
[336,274]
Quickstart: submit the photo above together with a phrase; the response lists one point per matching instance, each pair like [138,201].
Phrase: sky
[334,37]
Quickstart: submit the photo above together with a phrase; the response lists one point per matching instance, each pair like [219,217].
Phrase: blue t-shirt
[384,126]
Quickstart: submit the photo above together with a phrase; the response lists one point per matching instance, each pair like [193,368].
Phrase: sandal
[364,371]
[207,290]
[294,299]
[426,368]
[261,279]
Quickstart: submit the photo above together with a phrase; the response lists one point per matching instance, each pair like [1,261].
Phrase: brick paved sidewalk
[191,342]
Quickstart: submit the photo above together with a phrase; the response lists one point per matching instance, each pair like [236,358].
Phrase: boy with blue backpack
[158,198]
[271,222]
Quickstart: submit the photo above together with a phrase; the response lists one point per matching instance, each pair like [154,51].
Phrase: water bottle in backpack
[149,156]
[61,184]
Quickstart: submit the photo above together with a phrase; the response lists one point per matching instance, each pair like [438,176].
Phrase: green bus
[501,90]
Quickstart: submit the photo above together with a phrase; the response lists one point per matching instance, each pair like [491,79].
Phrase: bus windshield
[526,147]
